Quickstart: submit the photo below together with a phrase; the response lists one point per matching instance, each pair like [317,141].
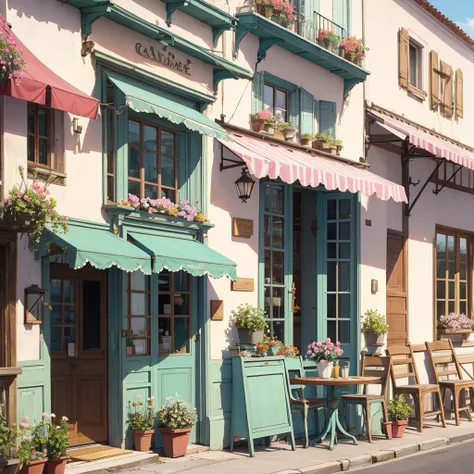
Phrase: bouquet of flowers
[325,351]
[455,322]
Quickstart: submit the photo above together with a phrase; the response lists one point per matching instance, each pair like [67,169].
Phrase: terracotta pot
[387,429]
[399,427]
[321,145]
[142,440]
[289,133]
[305,142]
[10,466]
[257,125]
[247,336]
[175,442]
[339,150]
[269,128]
[57,465]
[34,467]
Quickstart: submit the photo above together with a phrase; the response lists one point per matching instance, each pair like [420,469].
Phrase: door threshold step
[117,463]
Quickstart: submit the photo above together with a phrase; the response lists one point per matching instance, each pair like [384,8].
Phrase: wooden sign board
[242,284]
[217,310]
[242,227]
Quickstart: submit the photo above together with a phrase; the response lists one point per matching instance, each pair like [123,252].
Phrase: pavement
[279,459]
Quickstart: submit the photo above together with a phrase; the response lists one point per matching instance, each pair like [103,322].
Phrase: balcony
[307,38]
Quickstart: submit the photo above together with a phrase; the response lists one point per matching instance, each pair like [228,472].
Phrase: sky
[460,11]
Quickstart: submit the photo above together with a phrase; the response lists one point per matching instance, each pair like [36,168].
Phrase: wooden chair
[371,366]
[301,404]
[441,354]
[403,356]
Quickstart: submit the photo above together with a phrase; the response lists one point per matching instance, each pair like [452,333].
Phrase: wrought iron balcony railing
[322,23]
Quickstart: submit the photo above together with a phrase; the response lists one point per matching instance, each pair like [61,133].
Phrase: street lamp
[244,185]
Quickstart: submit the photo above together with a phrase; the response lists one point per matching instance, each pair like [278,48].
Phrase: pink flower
[58,427]
[45,415]
[23,425]
[26,198]
[18,194]
[309,352]
[33,452]
[265,115]
[53,415]
[326,352]
[65,418]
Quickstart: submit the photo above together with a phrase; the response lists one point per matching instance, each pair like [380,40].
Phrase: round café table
[334,397]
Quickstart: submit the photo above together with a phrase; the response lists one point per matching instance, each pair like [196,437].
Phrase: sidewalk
[314,460]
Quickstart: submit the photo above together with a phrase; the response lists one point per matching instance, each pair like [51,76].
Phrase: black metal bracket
[413,183]
[234,163]
[446,182]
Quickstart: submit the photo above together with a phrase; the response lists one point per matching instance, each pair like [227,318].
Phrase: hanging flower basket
[19,221]
[11,61]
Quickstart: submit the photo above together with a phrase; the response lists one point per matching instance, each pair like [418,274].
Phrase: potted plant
[262,349]
[287,350]
[259,119]
[456,327]
[375,328]
[306,139]
[353,49]
[321,141]
[273,344]
[329,40]
[8,436]
[31,451]
[398,413]
[56,443]
[29,208]
[11,58]
[269,125]
[280,11]
[338,145]
[324,354]
[288,130]
[250,323]
[142,423]
[176,420]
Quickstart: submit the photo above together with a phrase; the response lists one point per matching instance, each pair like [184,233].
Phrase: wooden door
[78,350]
[397,293]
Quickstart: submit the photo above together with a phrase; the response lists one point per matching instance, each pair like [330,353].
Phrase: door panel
[397,295]
[78,351]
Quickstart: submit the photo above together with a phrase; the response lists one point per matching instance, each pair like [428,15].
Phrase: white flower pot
[325,369]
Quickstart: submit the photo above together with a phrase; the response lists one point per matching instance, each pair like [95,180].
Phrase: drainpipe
[364,122]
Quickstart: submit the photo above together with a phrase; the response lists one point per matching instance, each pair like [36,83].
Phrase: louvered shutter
[459,94]
[447,73]
[294,107]
[434,81]
[306,113]
[403,57]
[257,92]
[327,117]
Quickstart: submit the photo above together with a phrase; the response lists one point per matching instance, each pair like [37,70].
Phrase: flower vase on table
[324,354]
[325,369]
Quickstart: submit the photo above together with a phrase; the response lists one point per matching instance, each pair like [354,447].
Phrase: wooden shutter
[447,73]
[459,95]
[434,81]
[327,117]
[257,92]
[306,112]
[404,42]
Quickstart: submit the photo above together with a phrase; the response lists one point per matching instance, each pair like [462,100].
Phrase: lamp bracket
[234,163]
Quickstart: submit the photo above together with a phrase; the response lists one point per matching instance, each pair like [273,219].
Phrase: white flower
[65,418]
[53,415]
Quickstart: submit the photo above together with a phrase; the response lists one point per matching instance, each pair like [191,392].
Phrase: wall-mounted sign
[242,284]
[242,227]
[161,55]
[217,310]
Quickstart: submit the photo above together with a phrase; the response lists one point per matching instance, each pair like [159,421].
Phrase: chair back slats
[296,391]
[372,366]
[402,356]
[442,354]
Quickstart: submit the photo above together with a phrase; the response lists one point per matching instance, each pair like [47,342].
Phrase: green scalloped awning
[98,246]
[142,98]
[177,254]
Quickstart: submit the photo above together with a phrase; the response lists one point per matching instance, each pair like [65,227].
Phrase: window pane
[451,270]
[278,328]
[134,188]
[268,98]
[463,307]
[134,133]
[332,231]
[141,346]
[164,281]
[441,266]
[440,309]
[43,122]
[167,143]
[345,306]
[344,335]
[69,315]
[31,149]
[267,274]
[151,167]
[450,247]
[181,335]
[281,99]
[331,329]
[266,230]
[278,232]
[277,200]
[133,162]
[140,327]
[55,339]
[345,250]
[451,307]
[181,304]
[332,209]
[56,314]
[462,290]
[332,250]
[149,138]
[331,276]
[167,172]
[43,151]
[441,290]
[344,231]
[344,276]
[268,191]
[31,118]
[69,336]
[413,65]
[139,281]
[451,290]
[68,288]
[151,191]
[164,336]
[164,304]
[462,249]
[440,245]
[91,316]
[462,270]
[344,209]
[277,303]
[139,304]
[56,291]
[277,268]
[168,193]
[181,281]
[331,305]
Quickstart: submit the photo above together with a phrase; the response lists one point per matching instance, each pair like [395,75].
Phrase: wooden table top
[356,380]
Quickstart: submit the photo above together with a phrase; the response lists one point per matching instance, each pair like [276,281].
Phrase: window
[63,314]
[411,64]
[138,314]
[276,101]
[453,272]
[275,263]
[174,312]
[109,120]
[414,75]
[39,132]
[152,161]
[456,177]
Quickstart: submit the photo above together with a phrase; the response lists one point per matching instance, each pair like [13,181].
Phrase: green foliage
[323,136]
[398,408]
[7,436]
[142,419]
[249,317]
[57,442]
[176,414]
[11,58]
[36,201]
[306,136]
[285,126]
[32,441]
[375,323]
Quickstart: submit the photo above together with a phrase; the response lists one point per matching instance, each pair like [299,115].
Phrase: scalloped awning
[142,98]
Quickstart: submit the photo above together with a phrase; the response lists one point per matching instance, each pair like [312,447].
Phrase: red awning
[442,148]
[41,85]
[265,158]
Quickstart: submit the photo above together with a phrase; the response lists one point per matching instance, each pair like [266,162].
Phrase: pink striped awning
[268,159]
[439,147]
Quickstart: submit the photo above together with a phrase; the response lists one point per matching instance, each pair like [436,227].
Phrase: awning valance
[268,159]
[96,245]
[434,144]
[175,254]
[40,85]
[142,98]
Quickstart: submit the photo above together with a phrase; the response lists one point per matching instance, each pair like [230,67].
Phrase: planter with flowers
[57,443]
[306,139]
[273,344]
[287,350]
[29,208]
[325,142]
[398,413]
[279,11]
[375,328]
[142,422]
[353,49]
[329,40]
[262,349]
[31,451]
[8,435]
[288,130]
[11,60]
[324,354]
[261,120]
[176,419]
[250,323]
[457,327]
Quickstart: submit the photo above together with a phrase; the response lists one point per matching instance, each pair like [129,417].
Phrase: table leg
[333,424]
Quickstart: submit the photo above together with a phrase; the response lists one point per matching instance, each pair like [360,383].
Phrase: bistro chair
[404,359]
[442,355]
[300,403]
[370,366]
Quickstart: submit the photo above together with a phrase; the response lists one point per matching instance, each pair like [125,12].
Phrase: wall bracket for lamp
[229,163]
